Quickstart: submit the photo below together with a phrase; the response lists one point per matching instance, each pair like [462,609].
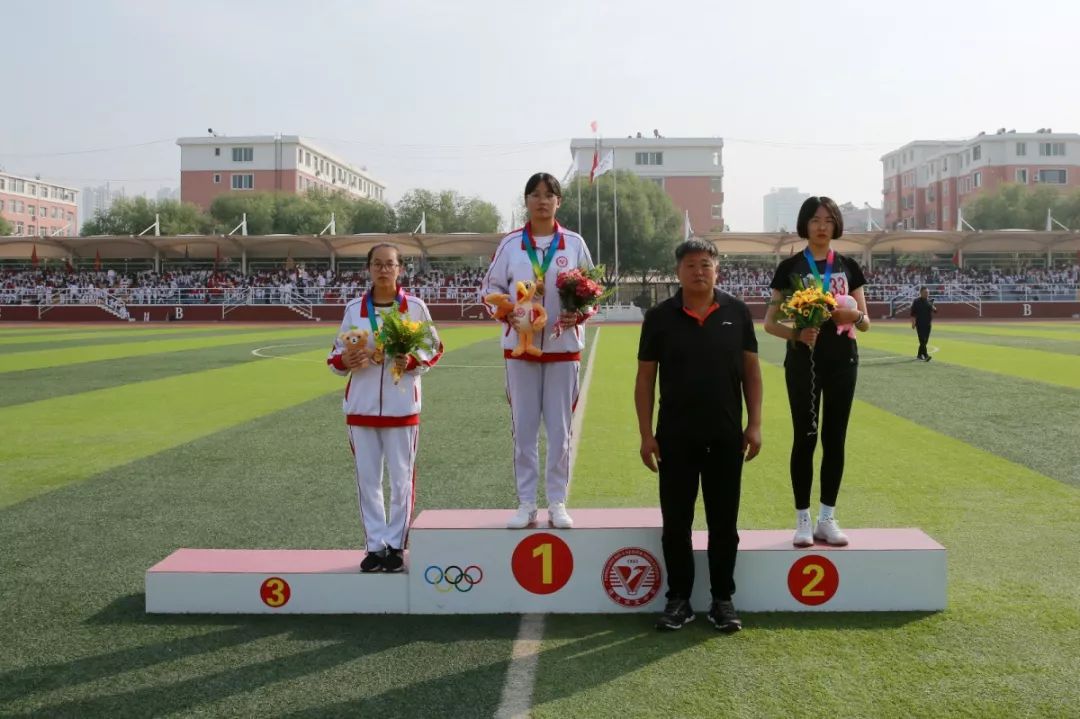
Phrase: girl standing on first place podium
[819,362]
[543,387]
[383,418]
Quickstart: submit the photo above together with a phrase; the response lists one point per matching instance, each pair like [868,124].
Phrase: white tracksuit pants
[548,391]
[397,446]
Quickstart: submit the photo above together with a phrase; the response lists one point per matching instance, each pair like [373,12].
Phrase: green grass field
[121,444]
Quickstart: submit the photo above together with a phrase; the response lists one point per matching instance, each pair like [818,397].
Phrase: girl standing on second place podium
[831,372]
[383,418]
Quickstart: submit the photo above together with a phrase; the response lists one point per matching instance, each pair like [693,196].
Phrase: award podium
[464,561]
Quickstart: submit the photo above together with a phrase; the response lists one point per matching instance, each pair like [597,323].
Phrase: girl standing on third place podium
[383,418]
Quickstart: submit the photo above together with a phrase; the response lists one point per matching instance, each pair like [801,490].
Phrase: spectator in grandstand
[702,344]
[922,310]
[382,418]
[819,361]
[544,387]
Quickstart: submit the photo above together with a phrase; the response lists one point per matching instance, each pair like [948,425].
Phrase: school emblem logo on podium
[631,577]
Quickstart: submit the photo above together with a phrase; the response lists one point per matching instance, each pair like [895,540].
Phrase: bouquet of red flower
[580,290]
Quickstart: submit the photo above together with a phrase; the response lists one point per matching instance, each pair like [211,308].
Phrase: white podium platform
[467,562]
[271,581]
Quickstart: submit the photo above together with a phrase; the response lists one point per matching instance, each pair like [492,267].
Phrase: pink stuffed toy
[846,302]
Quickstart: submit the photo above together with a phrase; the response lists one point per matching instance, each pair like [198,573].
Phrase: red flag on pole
[956,258]
[97,261]
[67,266]
[33,256]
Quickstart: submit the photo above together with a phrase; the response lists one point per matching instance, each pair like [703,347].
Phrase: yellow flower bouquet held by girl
[402,337]
[808,307]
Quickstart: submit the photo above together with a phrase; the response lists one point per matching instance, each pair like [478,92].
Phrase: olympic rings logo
[454,577]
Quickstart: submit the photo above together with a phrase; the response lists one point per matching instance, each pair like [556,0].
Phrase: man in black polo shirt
[702,340]
[922,309]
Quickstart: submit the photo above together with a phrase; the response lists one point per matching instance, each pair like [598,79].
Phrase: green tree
[650,226]
[1013,206]
[1067,211]
[445,211]
[372,216]
[296,215]
[5,227]
[229,209]
[325,204]
[132,215]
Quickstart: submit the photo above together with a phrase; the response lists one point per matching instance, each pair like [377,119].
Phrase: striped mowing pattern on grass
[77,643]
[121,423]
[1005,647]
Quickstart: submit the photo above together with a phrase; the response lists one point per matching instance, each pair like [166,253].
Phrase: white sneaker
[526,515]
[828,531]
[558,517]
[804,535]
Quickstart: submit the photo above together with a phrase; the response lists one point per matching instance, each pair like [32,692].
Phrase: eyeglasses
[380,266]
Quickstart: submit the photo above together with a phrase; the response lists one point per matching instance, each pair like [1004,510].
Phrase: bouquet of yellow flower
[808,306]
[400,336]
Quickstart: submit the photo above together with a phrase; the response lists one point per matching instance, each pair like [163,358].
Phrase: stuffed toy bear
[355,338]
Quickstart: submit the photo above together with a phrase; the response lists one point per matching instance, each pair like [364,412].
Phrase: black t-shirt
[847,277]
[701,366]
[922,310]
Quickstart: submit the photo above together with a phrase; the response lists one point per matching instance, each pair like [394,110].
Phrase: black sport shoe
[677,614]
[394,561]
[723,617]
[373,561]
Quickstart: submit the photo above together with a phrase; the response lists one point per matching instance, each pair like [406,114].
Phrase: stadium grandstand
[313,275]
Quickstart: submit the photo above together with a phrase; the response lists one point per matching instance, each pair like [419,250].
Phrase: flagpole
[615,179]
[577,181]
[596,184]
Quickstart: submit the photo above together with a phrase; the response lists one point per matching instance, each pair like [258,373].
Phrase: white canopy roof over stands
[335,247]
[902,241]
[244,248]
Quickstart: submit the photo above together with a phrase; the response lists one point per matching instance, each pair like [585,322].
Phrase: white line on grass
[525,655]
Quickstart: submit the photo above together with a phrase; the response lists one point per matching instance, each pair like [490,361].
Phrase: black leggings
[837,382]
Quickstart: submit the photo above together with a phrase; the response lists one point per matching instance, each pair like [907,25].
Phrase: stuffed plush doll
[524,314]
[846,302]
[355,338]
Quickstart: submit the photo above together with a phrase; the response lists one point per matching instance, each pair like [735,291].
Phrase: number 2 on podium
[811,590]
[544,552]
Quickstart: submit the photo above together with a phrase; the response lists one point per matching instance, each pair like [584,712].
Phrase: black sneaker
[373,561]
[677,614]
[723,617]
[394,561]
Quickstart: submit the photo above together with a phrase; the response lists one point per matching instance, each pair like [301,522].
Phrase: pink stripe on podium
[859,540]
[496,518]
[262,561]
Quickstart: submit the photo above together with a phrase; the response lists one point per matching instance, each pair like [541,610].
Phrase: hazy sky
[475,96]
